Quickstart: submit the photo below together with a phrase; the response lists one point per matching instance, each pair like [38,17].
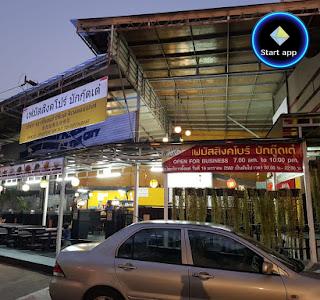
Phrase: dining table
[40,236]
[22,234]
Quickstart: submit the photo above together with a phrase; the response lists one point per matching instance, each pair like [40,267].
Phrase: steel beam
[211,122]
[209,87]
[232,128]
[243,127]
[232,74]
[134,73]
[219,109]
[211,99]
[191,96]
[201,66]
[198,67]
[227,78]
[189,54]
[183,39]
[47,89]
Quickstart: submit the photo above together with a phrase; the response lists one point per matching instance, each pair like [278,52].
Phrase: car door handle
[203,275]
[127,267]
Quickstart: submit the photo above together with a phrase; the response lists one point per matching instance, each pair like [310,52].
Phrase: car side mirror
[267,268]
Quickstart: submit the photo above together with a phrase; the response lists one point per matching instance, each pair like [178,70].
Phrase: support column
[45,202]
[137,129]
[309,207]
[136,194]
[166,197]
[61,207]
[274,181]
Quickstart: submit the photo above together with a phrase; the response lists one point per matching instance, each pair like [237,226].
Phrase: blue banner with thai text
[115,129]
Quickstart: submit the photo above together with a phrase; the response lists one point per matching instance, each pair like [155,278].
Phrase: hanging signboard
[35,168]
[83,106]
[115,129]
[229,158]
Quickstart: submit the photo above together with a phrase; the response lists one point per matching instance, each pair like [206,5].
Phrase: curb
[27,265]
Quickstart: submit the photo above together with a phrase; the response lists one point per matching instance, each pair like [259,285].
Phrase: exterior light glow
[106,173]
[75,181]
[26,187]
[154,183]
[68,177]
[156,169]
[165,139]
[44,184]
[270,186]
[177,129]
[11,182]
[122,192]
[231,183]
[188,132]
[33,180]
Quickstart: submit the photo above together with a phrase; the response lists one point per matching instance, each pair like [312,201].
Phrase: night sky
[38,39]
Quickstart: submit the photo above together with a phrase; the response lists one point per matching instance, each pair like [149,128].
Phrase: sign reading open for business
[260,157]
[83,106]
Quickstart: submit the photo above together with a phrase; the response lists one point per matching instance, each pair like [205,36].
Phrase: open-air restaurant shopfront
[259,187]
[83,174]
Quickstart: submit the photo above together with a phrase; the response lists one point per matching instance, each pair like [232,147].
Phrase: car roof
[187,223]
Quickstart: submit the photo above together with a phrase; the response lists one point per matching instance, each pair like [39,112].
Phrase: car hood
[81,247]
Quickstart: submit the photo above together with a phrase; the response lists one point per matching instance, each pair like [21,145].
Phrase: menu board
[34,168]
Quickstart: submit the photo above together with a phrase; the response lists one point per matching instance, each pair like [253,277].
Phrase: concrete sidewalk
[28,259]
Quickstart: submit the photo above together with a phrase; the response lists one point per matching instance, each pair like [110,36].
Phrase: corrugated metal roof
[201,64]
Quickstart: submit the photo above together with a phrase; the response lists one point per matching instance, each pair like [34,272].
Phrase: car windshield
[291,263]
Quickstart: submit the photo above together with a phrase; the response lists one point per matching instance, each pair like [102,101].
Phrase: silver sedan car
[178,260]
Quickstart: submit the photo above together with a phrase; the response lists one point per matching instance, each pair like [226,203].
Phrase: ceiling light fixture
[177,129]
[11,182]
[106,173]
[187,132]
[165,139]
[75,181]
[26,187]
[156,169]
[33,180]
[44,183]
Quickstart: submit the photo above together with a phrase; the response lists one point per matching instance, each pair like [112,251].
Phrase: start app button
[280,40]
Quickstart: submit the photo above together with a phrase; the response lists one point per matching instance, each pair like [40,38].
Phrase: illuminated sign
[80,107]
[275,157]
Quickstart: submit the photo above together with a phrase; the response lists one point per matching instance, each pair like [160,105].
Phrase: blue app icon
[280,40]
